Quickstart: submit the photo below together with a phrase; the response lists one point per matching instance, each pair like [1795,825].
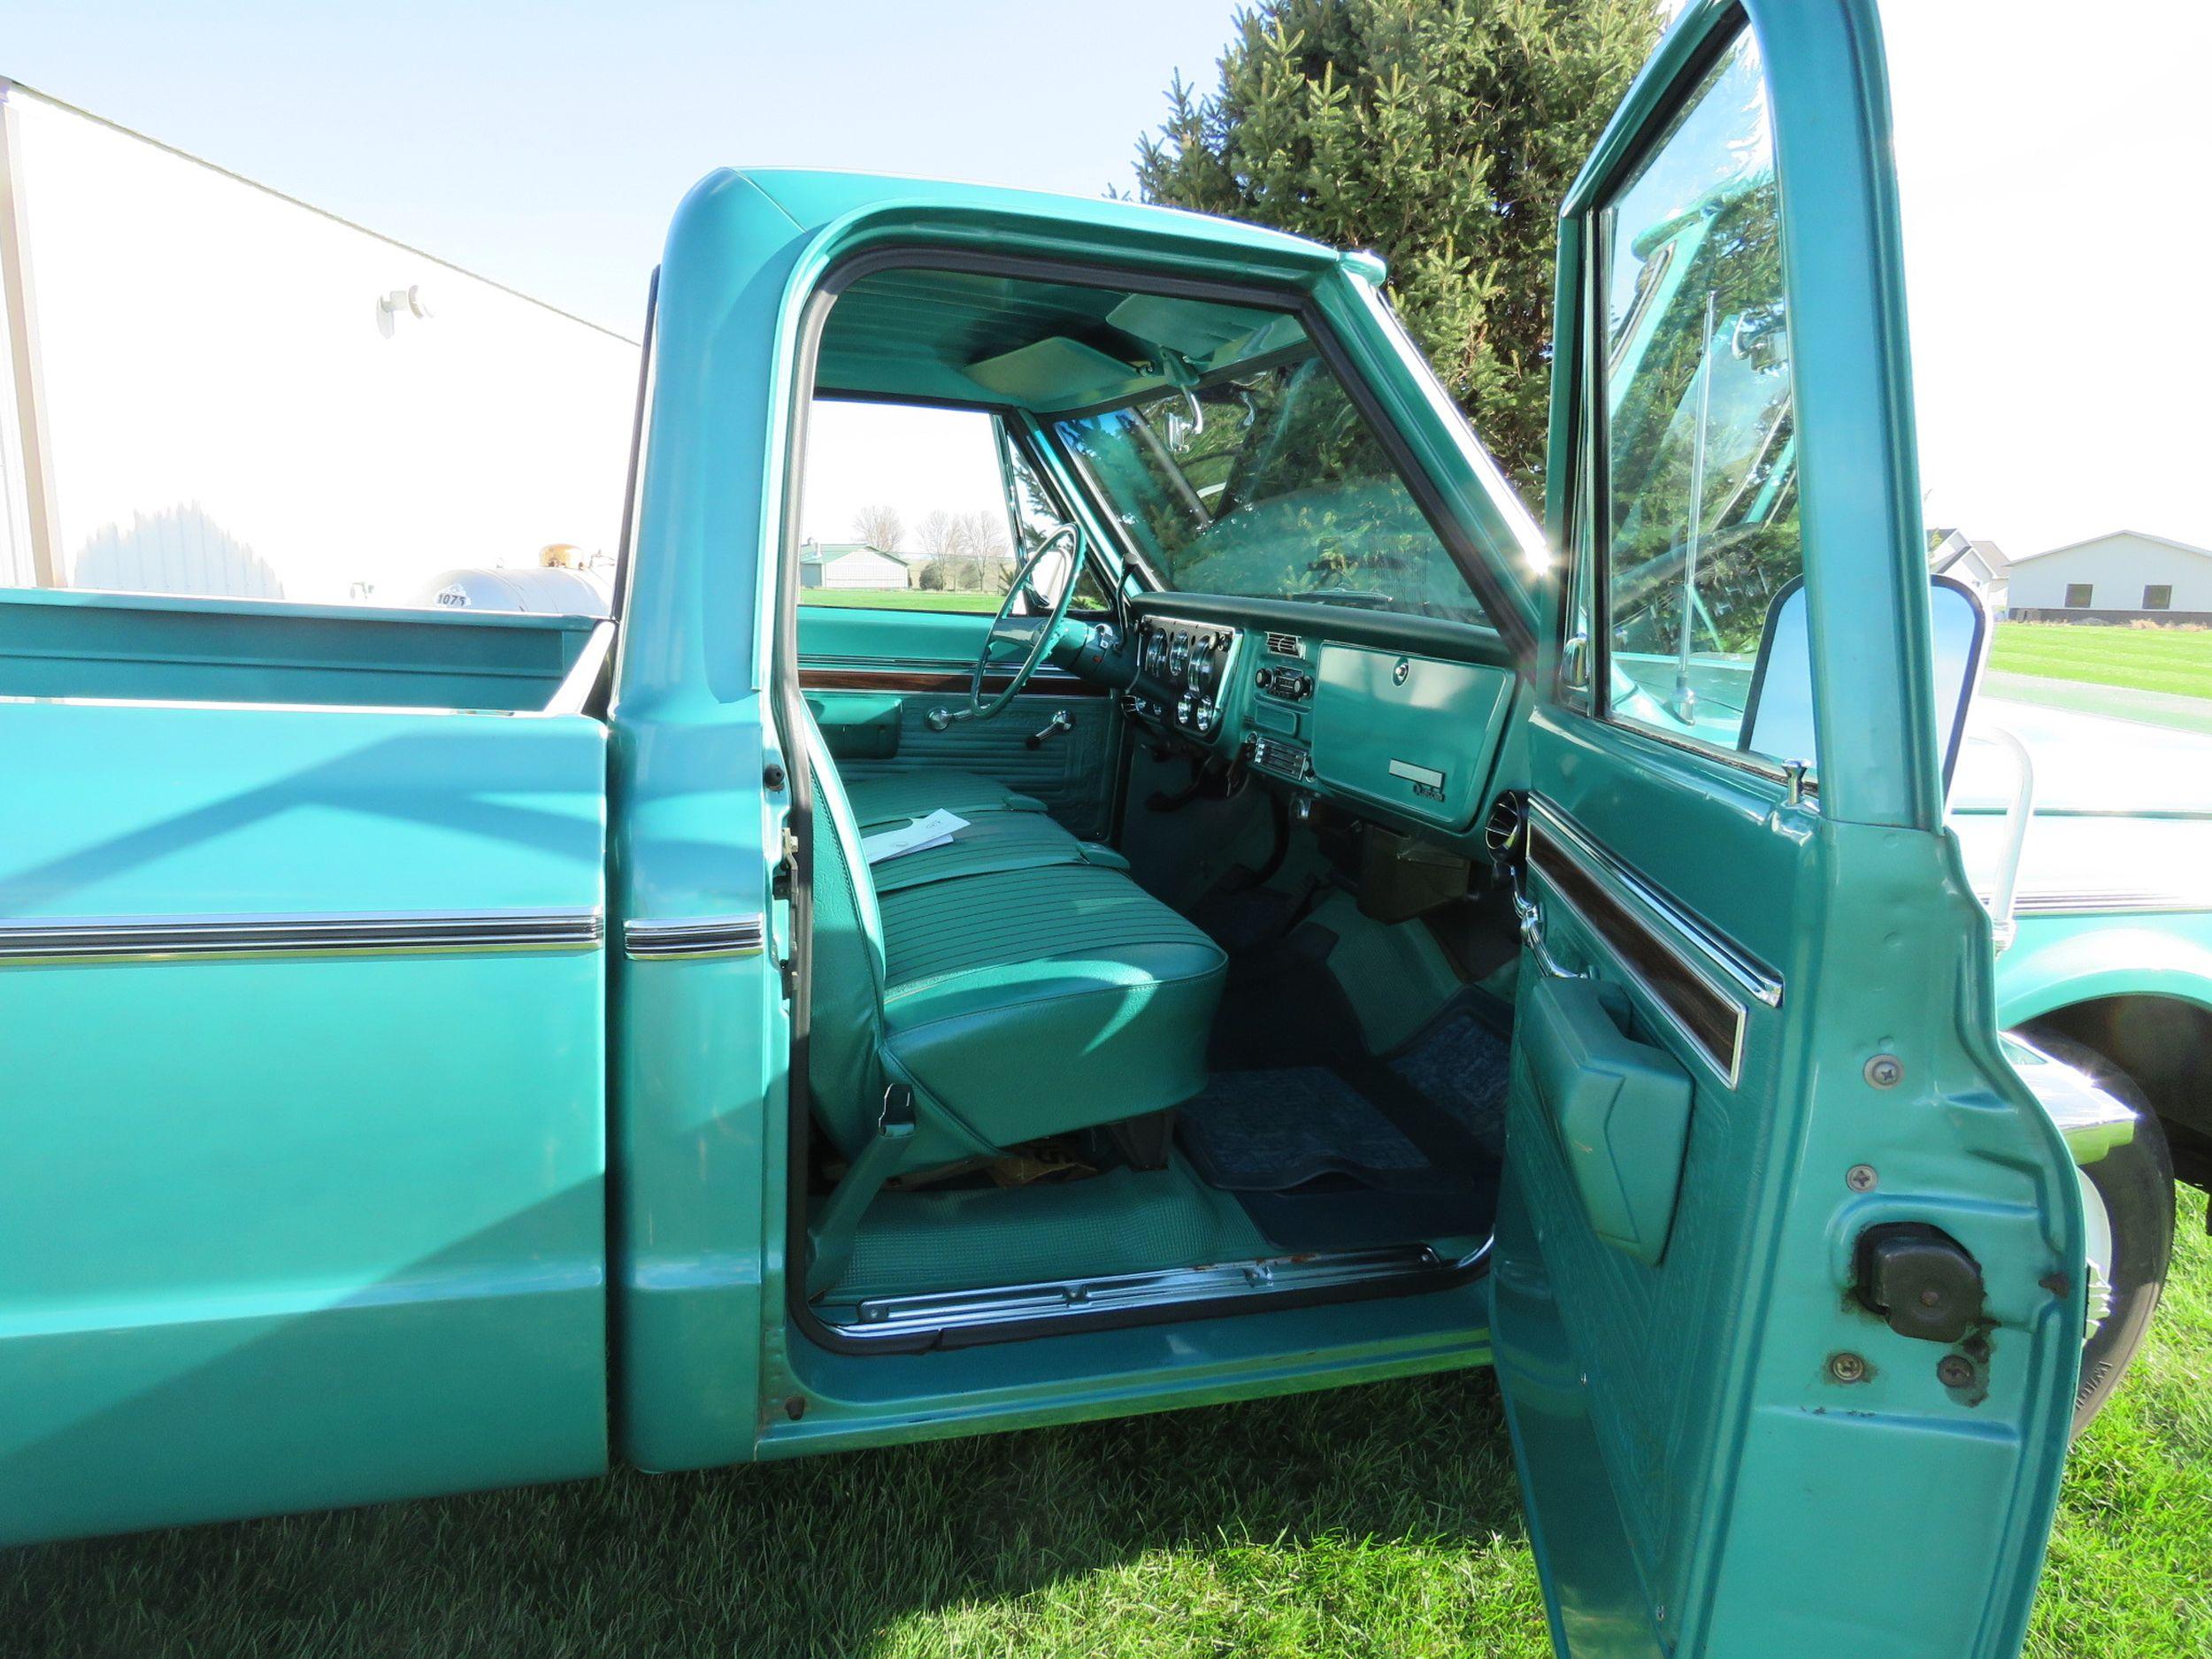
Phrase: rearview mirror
[1778,717]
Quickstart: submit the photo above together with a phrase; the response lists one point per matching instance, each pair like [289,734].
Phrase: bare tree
[940,534]
[983,534]
[881,527]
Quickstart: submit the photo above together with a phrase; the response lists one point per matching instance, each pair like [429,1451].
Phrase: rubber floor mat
[1463,1068]
[1268,1131]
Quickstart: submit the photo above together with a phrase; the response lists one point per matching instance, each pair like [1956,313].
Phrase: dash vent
[1285,645]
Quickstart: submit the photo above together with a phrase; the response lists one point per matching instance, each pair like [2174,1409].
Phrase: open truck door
[1787,1294]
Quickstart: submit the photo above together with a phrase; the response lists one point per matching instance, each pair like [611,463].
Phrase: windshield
[1267,483]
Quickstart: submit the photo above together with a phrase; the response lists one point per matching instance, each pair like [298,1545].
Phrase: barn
[2122,576]
[849,566]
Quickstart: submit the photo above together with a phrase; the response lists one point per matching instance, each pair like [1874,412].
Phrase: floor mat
[1268,1131]
[1463,1067]
[1366,1151]
[1123,1221]
[1328,1215]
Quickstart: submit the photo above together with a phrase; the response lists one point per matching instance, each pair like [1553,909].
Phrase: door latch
[779,878]
[1920,1281]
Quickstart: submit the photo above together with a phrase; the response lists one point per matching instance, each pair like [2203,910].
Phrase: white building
[2117,577]
[208,387]
[850,566]
[1981,565]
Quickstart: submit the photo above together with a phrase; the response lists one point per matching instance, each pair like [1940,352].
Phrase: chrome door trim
[1742,970]
[373,933]
[656,939]
[892,666]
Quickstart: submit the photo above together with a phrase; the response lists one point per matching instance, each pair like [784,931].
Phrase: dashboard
[1365,723]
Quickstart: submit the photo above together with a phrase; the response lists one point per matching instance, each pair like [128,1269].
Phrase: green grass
[2172,660]
[903,599]
[1381,1520]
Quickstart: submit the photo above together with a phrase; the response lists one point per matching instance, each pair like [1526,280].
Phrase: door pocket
[1622,1108]
[858,725]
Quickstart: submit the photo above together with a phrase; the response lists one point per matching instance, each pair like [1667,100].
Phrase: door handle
[1621,1106]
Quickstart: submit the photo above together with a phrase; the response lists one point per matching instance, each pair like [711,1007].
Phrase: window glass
[2158,596]
[1266,482]
[909,507]
[1700,514]
[2077,595]
[1037,516]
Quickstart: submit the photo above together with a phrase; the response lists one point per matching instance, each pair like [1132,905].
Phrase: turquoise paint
[452,1121]
[69,643]
[289,1233]
[2057,961]
[1697,1482]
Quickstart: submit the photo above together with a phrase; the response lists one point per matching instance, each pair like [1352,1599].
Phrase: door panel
[304,1200]
[851,660]
[1724,1450]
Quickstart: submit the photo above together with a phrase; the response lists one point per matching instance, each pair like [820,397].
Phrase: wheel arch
[2163,1041]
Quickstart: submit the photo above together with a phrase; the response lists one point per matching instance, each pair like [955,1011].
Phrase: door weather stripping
[646,939]
[91,938]
[900,1318]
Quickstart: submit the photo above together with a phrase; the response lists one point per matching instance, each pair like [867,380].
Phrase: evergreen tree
[1439,134]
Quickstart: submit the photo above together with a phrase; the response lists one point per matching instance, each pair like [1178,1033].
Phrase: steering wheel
[1032,636]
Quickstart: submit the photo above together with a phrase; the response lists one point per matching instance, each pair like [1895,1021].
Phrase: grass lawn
[903,599]
[2143,659]
[1382,1520]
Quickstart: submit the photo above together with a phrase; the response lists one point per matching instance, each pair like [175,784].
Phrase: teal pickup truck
[1299,924]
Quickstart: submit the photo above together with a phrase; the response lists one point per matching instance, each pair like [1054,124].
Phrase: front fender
[2057,962]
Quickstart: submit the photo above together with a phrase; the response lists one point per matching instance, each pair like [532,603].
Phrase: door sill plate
[1132,1296]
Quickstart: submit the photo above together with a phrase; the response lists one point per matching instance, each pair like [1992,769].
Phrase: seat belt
[831,1239]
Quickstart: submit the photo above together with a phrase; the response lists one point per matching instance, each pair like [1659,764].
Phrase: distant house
[850,565]
[1981,565]
[2122,576]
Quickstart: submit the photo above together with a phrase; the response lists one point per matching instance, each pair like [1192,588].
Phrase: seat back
[844,1067]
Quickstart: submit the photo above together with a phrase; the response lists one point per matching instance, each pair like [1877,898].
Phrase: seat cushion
[898,796]
[990,843]
[1029,1002]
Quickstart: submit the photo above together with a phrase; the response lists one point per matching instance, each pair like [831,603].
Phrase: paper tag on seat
[936,830]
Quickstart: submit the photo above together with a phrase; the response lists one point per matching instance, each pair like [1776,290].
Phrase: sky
[2052,160]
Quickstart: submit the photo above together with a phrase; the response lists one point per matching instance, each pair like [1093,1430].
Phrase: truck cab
[1243,915]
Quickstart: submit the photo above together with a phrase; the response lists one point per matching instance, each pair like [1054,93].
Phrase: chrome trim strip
[1728,1067]
[74,939]
[2083,902]
[1752,977]
[1411,773]
[884,1319]
[650,939]
[917,665]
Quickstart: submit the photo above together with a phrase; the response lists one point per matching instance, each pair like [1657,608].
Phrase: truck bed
[166,647]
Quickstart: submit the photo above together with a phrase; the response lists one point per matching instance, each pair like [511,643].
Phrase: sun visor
[1057,372]
[1207,335]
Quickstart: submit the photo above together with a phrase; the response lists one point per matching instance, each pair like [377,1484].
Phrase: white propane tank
[560,585]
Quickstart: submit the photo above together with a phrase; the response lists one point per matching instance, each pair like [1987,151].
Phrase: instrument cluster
[1187,664]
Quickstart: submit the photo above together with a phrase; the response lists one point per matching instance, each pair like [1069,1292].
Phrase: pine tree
[1439,134]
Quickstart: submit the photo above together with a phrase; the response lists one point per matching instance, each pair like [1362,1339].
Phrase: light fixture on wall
[399,303]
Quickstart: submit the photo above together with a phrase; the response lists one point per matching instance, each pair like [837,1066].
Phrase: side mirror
[1778,717]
